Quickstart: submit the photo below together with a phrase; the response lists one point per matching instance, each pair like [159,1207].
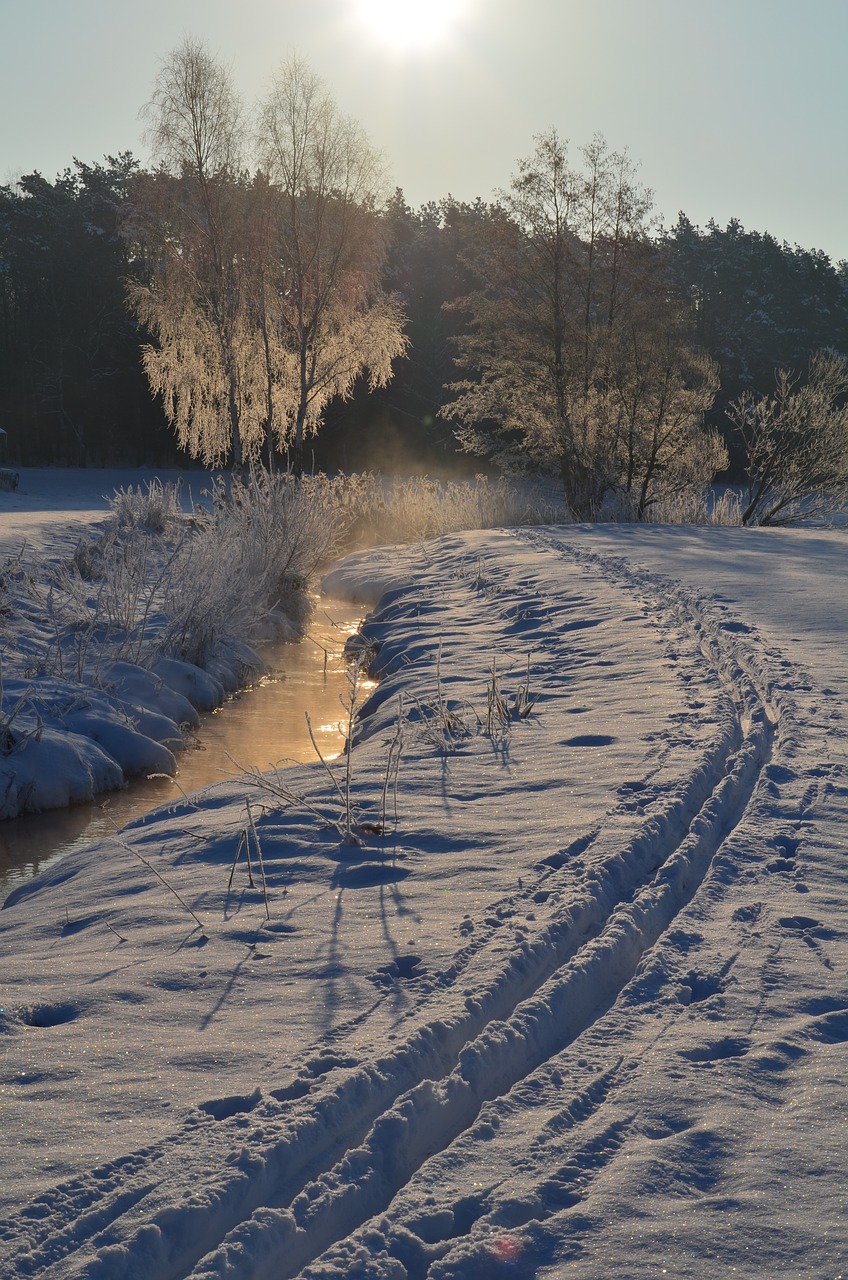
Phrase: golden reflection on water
[263,727]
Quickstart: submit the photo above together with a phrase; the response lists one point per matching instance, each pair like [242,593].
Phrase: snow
[66,741]
[580,1011]
[53,506]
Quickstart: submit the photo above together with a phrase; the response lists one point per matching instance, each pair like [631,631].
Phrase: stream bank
[261,726]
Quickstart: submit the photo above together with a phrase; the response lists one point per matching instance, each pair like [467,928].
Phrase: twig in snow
[167,885]
[261,860]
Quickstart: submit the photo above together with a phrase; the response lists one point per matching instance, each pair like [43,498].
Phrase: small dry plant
[344,813]
[440,722]
[445,724]
[503,711]
[14,738]
[247,834]
[198,923]
[153,505]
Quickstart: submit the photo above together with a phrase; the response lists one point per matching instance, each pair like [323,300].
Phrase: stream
[263,726]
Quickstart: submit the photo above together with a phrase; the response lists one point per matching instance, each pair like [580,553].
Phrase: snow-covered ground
[574,1005]
[53,506]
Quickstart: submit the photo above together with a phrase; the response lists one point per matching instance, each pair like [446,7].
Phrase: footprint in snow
[699,986]
[291,1092]
[806,926]
[233,1105]
[43,1016]
[402,969]
[589,740]
[717,1050]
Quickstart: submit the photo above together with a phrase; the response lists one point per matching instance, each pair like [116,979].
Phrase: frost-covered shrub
[153,505]
[11,575]
[10,734]
[691,505]
[88,558]
[797,444]
[134,574]
[251,558]
[696,506]
[103,600]
[405,510]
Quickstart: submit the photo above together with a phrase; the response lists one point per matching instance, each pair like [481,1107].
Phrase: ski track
[331,1151]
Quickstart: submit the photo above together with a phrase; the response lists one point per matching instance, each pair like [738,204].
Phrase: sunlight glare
[409,25]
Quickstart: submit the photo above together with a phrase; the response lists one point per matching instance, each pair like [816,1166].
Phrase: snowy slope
[63,740]
[580,1012]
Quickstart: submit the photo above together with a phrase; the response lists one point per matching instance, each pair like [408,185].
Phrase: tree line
[258,294]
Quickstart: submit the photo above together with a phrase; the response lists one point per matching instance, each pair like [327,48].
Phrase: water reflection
[263,726]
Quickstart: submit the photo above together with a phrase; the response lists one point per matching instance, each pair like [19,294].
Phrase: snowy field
[53,506]
[574,1005]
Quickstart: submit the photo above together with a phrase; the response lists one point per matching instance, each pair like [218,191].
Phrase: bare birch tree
[190,218]
[557,346]
[324,315]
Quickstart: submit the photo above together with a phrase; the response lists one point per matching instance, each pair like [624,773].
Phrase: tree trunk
[238,454]
[297,443]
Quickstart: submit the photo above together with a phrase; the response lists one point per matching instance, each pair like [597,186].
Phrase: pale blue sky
[732,107]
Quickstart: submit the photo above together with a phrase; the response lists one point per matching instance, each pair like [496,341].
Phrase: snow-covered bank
[112,646]
[258,726]
[583,1012]
[69,734]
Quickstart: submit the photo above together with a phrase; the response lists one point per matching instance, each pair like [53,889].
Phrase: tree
[70,385]
[576,353]
[263,292]
[797,443]
[648,415]
[324,317]
[757,304]
[189,219]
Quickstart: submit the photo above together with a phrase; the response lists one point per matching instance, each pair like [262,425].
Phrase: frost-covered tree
[797,443]
[189,219]
[574,348]
[647,415]
[263,292]
[758,304]
[324,316]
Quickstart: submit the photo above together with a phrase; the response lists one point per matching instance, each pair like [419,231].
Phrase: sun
[409,25]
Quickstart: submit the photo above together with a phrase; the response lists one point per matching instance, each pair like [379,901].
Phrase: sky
[732,108]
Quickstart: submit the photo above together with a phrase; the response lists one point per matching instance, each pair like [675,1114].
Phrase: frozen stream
[264,726]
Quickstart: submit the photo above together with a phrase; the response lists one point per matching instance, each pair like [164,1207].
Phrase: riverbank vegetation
[110,654]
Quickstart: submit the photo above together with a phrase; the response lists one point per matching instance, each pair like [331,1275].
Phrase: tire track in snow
[287,1202]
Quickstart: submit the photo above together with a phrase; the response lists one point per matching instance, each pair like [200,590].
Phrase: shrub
[153,505]
[251,558]
[797,444]
[406,510]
